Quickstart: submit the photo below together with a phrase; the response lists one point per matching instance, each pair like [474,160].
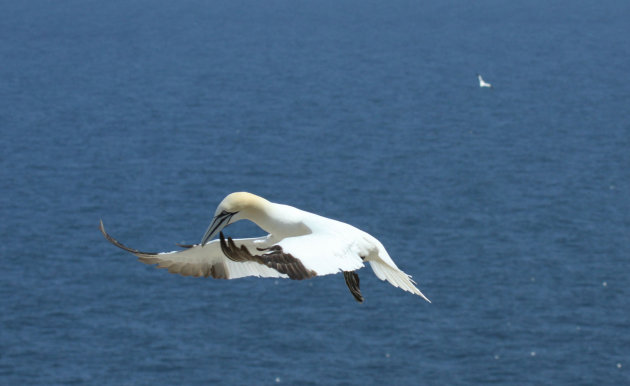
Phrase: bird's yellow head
[238,202]
[235,206]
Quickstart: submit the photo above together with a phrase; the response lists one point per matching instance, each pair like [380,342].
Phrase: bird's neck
[277,219]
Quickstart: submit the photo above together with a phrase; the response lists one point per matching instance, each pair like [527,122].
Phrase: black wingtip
[274,258]
[121,245]
[352,281]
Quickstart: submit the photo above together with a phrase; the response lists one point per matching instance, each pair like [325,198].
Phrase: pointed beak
[219,222]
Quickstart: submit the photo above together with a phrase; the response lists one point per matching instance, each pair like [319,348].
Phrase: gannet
[483,83]
[300,245]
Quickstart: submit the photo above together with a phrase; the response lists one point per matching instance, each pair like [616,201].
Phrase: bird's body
[300,245]
[483,83]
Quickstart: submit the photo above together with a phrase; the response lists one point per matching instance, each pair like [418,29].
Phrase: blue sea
[509,206]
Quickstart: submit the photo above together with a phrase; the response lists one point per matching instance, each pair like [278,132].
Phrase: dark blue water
[510,206]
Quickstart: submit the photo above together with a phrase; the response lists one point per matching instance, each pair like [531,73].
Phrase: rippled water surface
[509,206]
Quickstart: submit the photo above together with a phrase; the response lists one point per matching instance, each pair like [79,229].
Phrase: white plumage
[300,245]
[483,83]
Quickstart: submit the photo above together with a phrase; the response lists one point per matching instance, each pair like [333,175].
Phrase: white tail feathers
[396,277]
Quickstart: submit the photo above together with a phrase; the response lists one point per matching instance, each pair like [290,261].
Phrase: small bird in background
[483,83]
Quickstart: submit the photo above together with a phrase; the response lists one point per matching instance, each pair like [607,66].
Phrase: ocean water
[509,206]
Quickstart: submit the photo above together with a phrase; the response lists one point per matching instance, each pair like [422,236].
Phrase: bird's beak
[219,222]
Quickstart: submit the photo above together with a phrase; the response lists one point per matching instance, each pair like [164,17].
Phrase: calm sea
[509,206]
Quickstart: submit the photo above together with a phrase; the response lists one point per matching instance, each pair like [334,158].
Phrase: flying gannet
[483,83]
[300,245]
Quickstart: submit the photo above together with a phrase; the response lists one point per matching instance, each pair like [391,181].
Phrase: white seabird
[300,245]
[483,83]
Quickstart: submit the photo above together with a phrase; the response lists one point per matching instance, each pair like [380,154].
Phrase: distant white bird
[300,245]
[483,83]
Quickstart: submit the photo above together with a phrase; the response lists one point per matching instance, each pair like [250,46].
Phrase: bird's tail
[395,277]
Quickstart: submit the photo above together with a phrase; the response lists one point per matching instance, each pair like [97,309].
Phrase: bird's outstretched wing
[310,252]
[272,257]
[326,253]
[207,260]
